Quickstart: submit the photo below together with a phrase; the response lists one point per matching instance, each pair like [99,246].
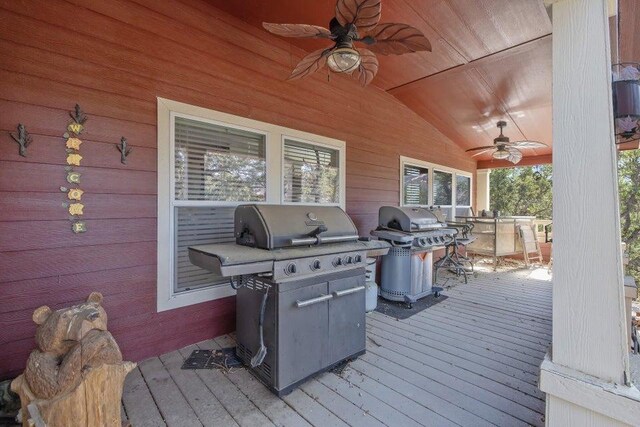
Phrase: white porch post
[586,374]
[483,189]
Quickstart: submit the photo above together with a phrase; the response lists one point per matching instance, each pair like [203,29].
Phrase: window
[311,173]
[416,185]
[212,163]
[208,163]
[442,188]
[426,184]
[463,191]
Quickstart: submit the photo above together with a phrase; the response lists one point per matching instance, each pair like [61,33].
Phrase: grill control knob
[337,262]
[315,265]
[290,269]
[347,260]
[429,240]
[357,259]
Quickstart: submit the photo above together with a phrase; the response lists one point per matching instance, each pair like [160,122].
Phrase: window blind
[199,226]
[416,185]
[311,173]
[217,163]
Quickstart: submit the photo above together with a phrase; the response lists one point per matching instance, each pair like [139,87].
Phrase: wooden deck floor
[470,360]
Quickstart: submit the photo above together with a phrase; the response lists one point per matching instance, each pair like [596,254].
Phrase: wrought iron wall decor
[124,150]
[72,149]
[626,101]
[22,138]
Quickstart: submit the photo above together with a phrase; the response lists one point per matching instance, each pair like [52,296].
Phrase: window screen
[217,163]
[416,185]
[442,188]
[463,190]
[212,164]
[311,173]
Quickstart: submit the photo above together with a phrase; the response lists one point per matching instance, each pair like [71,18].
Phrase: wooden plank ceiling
[491,61]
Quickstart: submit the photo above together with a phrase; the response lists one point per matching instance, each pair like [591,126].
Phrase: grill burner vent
[263,370]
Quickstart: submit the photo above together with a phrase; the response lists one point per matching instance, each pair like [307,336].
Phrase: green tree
[629,189]
[522,191]
[527,191]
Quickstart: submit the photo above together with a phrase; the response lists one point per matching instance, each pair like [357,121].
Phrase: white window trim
[274,143]
[435,167]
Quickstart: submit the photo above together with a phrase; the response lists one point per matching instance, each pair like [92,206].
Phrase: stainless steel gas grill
[407,269]
[300,276]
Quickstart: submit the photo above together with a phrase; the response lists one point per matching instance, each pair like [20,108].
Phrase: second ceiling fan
[503,149]
[354,21]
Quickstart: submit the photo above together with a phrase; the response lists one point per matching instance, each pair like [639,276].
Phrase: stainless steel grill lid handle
[311,301]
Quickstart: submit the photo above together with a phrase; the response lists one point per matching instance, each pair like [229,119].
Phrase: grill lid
[279,226]
[407,219]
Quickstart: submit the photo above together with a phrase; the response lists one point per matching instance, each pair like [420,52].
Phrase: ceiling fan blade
[297,30]
[310,64]
[397,39]
[483,151]
[515,155]
[486,147]
[527,144]
[368,66]
[364,14]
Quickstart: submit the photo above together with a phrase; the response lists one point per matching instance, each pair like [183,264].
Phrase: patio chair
[453,260]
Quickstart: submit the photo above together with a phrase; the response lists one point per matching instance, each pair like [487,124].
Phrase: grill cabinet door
[303,334]
[347,332]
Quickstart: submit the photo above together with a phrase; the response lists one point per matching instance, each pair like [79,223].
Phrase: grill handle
[311,301]
[305,241]
[334,239]
[348,291]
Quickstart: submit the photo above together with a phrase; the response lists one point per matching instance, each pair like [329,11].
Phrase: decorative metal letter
[77,125]
[22,138]
[75,194]
[124,151]
[75,208]
[79,227]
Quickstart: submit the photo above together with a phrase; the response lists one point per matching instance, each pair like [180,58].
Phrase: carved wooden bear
[76,375]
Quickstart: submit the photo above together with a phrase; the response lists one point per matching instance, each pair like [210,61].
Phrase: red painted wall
[114,58]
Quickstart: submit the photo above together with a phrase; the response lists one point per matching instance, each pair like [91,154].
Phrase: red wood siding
[114,58]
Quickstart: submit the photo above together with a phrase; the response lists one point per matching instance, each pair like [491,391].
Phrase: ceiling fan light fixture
[501,154]
[343,60]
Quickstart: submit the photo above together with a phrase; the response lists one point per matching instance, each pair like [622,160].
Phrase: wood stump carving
[76,375]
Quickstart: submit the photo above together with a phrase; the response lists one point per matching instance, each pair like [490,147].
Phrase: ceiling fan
[503,149]
[355,21]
